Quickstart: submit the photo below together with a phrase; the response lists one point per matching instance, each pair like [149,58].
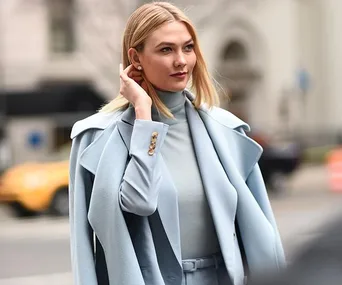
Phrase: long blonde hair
[144,21]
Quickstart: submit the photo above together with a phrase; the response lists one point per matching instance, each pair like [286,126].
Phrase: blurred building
[281,61]
[50,73]
[278,60]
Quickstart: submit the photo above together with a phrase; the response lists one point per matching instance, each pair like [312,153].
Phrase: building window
[62,37]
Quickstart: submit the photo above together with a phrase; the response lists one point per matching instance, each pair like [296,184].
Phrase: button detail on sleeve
[152,146]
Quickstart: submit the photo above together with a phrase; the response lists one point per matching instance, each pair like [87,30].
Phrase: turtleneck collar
[175,101]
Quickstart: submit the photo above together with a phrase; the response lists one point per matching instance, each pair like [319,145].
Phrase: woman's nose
[180,60]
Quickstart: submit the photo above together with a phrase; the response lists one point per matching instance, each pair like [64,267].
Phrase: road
[36,251]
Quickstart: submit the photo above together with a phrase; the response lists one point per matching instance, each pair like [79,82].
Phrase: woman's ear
[134,58]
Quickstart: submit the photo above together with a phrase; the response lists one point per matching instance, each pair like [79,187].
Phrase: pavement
[36,250]
[302,212]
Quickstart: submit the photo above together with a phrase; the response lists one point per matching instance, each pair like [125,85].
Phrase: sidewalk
[64,278]
[5,213]
[306,207]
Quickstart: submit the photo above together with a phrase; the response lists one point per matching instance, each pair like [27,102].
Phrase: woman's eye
[189,47]
[165,49]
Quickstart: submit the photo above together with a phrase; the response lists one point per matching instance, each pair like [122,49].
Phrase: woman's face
[168,57]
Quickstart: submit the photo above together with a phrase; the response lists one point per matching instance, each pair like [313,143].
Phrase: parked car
[35,187]
[277,162]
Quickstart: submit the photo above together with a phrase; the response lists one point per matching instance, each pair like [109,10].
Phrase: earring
[139,67]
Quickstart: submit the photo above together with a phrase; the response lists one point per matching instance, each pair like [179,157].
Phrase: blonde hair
[144,21]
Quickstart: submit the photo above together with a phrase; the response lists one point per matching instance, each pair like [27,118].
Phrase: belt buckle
[194,267]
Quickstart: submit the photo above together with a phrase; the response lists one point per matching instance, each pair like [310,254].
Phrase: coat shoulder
[220,115]
[100,120]
[227,119]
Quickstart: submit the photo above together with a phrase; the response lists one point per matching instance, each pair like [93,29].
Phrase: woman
[165,187]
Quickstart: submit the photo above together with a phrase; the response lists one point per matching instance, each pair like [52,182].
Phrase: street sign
[35,139]
[304,80]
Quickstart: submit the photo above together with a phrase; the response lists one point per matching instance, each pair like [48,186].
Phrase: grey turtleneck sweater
[197,232]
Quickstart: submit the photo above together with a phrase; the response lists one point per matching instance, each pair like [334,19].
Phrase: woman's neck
[174,101]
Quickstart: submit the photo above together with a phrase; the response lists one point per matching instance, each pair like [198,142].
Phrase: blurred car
[35,187]
[277,162]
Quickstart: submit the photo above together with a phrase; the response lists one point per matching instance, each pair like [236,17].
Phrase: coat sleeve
[140,187]
[256,185]
[81,234]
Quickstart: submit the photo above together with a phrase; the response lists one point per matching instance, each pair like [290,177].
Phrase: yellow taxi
[37,187]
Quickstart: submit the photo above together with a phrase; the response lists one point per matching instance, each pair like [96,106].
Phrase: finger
[123,74]
[134,74]
[128,69]
[124,77]
[137,78]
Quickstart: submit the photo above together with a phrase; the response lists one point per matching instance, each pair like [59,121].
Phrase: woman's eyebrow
[172,44]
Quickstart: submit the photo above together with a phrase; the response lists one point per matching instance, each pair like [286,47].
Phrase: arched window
[234,51]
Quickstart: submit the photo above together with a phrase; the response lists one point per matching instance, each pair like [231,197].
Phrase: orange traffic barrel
[334,164]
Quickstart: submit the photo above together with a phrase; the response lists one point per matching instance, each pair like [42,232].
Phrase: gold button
[151,152]
[152,147]
[153,140]
[154,134]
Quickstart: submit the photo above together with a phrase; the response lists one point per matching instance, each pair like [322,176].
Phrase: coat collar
[225,130]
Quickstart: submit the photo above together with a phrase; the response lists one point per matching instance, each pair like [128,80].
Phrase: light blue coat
[123,203]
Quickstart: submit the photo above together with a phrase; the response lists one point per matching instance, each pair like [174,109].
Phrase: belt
[191,265]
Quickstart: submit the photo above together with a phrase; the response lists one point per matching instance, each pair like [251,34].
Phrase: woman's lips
[180,75]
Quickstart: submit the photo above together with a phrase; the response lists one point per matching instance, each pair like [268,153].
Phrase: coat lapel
[224,156]
[237,152]
[221,195]
[168,211]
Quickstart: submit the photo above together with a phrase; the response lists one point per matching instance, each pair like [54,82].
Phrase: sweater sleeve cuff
[147,136]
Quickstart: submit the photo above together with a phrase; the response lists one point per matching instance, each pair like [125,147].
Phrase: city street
[273,65]
[36,250]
